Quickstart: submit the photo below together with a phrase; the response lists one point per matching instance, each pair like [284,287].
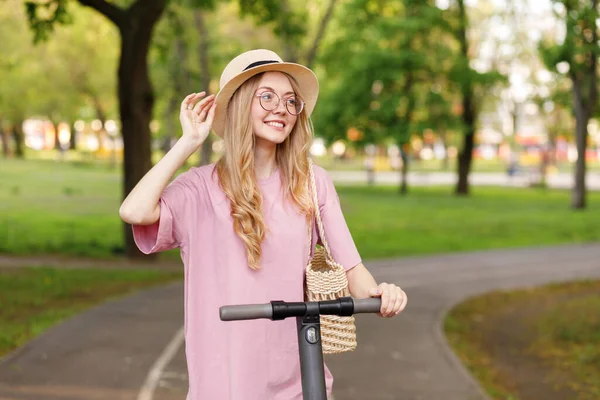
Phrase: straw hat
[253,62]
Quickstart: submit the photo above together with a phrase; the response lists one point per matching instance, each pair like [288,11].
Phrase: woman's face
[276,125]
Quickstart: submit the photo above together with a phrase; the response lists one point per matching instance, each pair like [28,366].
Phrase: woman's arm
[362,285]
[141,206]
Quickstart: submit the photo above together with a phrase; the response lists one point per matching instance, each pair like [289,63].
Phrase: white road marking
[149,386]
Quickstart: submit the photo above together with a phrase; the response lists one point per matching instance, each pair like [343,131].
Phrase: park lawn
[563,337]
[432,220]
[52,207]
[34,299]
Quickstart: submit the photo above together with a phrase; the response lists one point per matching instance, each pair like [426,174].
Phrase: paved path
[107,353]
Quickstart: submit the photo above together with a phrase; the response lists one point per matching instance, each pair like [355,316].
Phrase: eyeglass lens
[270,101]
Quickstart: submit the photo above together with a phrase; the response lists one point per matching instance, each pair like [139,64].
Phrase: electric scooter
[309,330]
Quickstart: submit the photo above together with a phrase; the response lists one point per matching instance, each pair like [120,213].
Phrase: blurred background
[493,92]
[448,125]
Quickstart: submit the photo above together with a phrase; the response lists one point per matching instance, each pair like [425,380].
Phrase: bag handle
[315,199]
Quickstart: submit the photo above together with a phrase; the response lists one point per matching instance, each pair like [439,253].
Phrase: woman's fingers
[393,299]
[385,298]
[404,301]
[393,296]
[190,99]
[398,303]
[199,107]
[211,113]
[205,108]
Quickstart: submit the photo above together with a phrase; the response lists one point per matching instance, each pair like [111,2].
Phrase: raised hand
[196,116]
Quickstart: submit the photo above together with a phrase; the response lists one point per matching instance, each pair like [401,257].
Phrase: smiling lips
[275,124]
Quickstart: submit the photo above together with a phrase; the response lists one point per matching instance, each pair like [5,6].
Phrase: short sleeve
[337,234]
[177,200]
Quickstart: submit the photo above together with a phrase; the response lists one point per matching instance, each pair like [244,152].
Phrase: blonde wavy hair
[236,171]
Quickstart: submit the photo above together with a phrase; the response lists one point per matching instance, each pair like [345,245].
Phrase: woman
[242,226]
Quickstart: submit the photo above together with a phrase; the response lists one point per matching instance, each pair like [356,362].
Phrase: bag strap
[315,199]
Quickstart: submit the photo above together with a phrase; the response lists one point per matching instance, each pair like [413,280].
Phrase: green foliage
[288,18]
[387,79]
[43,15]
[68,76]
[580,46]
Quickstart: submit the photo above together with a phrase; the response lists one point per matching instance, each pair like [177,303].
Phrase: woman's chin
[272,137]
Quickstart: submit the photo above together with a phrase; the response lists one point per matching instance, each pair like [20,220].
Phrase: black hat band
[259,63]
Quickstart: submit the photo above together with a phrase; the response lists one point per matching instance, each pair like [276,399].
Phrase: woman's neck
[265,162]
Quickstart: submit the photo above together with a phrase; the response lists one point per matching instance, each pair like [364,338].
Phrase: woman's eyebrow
[273,90]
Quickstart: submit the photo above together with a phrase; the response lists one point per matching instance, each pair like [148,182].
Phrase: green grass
[34,299]
[432,220]
[53,207]
[568,338]
[565,335]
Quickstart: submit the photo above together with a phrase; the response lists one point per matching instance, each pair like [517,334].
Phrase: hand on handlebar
[393,299]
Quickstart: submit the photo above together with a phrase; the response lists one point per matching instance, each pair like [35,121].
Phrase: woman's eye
[267,96]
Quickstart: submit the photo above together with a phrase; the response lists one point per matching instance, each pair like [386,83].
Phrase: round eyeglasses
[269,101]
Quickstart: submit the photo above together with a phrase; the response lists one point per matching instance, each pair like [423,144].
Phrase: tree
[466,77]
[81,58]
[19,66]
[293,26]
[136,98]
[579,51]
[136,23]
[377,75]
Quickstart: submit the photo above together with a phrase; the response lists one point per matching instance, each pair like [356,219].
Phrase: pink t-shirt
[241,360]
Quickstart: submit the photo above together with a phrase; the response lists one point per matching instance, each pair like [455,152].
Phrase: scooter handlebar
[256,311]
[246,311]
[370,305]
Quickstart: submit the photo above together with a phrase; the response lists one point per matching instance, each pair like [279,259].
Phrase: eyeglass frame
[259,95]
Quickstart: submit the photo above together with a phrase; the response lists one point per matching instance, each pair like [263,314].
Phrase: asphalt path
[132,348]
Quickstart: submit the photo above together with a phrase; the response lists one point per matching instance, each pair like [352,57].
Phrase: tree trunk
[466,155]
[101,115]
[56,135]
[585,101]
[578,195]
[464,161]
[5,139]
[205,76]
[136,99]
[403,172]
[73,138]
[19,138]
[552,134]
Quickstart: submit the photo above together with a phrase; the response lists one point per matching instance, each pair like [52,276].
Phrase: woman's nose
[280,109]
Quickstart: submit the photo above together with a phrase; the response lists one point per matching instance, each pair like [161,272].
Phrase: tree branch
[312,53]
[110,11]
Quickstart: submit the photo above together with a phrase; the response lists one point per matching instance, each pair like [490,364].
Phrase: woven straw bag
[326,280]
